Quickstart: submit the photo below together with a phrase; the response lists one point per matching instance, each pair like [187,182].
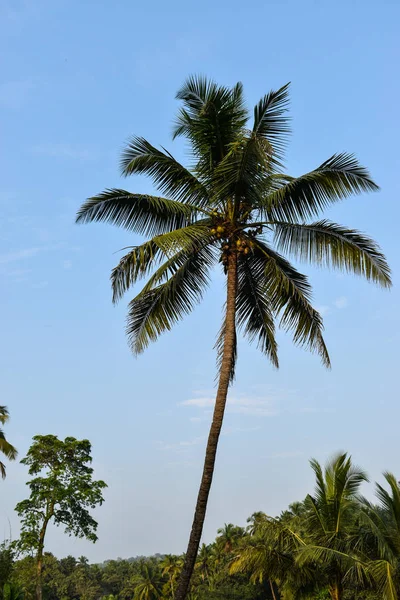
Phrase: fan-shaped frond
[211,118]
[155,310]
[6,448]
[254,313]
[289,293]
[270,120]
[330,245]
[144,214]
[170,177]
[305,196]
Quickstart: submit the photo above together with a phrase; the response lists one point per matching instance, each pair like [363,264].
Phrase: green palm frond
[155,310]
[144,214]
[390,502]
[305,196]
[383,575]
[6,448]
[328,244]
[139,262]
[3,471]
[255,315]
[133,266]
[270,120]
[211,118]
[4,414]
[170,177]
[244,171]
[289,293]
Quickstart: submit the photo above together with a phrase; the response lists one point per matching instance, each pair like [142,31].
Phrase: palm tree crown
[234,199]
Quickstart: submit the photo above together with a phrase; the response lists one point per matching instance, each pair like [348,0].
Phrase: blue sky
[77,78]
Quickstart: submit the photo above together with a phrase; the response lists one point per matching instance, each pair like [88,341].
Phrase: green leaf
[254,313]
[144,214]
[170,177]
[289,293]
[304,197]
[270,120]
[155,310]
[330,245]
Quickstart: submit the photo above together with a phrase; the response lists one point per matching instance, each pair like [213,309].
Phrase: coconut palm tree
[5,447]
[228,536]
[148,582]
[332,525]
[171,566]
[237,207]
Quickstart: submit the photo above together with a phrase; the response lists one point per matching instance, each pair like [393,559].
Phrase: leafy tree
[5,447]
[234,206]
[62,491]
[7,556]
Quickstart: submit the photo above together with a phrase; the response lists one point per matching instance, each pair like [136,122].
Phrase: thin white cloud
[10,257]
[63,150]
[341,302]
[258,407]
[67,264]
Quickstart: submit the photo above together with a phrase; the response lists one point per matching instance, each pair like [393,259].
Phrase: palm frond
[155,310]
[170,177]
[244,172]
[211,118]
[254,313]
[289,293]
[133,266]
[305,196]
[6,448]
[383,575]
[144,214]
[270,120]
[4,414]
[328,244]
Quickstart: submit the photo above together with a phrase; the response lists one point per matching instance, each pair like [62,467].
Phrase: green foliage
[6,448]
[62,490]
[334,544]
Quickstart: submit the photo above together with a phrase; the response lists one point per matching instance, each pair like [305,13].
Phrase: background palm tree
[235,206]
[228,536]
[5,447]
[148,582]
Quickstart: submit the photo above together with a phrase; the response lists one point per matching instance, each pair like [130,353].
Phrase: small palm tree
[237,207]
[228,536]
[332,523]
[171,566]
[5,447]
[148,583]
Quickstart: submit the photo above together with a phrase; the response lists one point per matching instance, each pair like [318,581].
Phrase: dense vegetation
[236,206]
[334,544]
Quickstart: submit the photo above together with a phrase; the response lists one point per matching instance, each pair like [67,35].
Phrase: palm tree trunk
[335,591]
[215,430]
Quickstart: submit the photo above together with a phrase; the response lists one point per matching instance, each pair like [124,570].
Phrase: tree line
[334,544]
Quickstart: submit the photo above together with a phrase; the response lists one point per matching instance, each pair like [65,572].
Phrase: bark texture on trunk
[215,430]
[335,591]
